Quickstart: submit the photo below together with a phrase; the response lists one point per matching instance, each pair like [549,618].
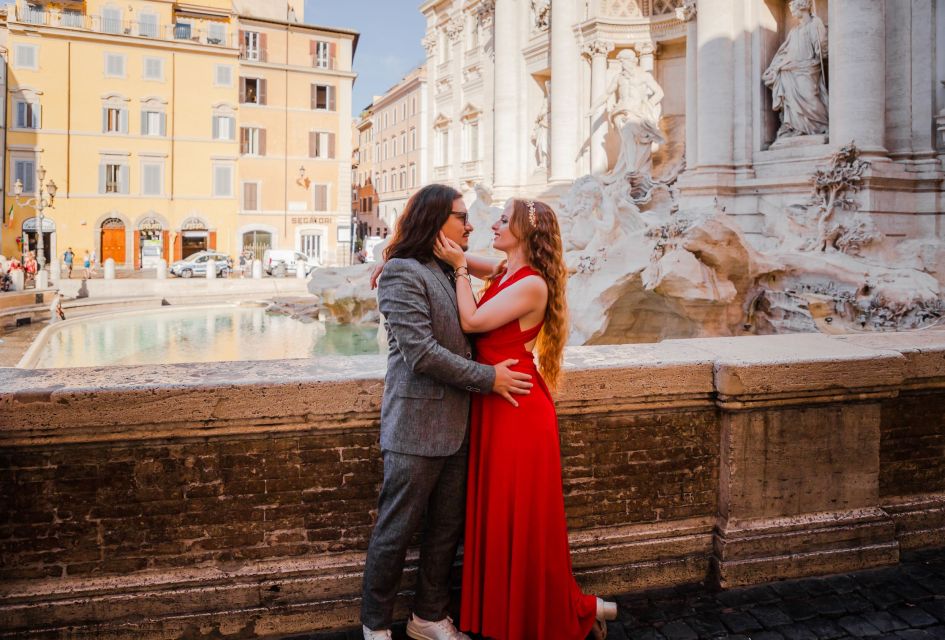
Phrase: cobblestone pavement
[905,602]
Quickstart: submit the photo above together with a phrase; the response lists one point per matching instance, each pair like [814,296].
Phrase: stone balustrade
[236,499]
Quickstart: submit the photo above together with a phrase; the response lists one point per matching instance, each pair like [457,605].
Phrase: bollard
[211,269]
[42,279]
[161,269]
[300,270]
[110,269]
[257,269]
[19,279]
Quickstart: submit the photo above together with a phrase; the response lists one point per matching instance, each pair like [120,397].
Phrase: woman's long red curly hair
[544,253]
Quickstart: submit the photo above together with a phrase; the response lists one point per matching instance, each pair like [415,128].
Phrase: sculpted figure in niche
[633,99]
[796,75]
[540,130]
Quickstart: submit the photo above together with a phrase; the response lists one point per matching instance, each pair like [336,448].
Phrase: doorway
[113,240]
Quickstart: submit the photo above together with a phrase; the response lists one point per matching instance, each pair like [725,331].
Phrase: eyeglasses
[462,215]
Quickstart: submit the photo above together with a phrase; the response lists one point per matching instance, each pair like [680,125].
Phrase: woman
[517,580]
[87,265]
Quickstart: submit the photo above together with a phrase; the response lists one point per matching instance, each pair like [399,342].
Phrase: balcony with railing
[205,32]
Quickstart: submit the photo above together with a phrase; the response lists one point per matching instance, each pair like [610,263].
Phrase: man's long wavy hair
[423,217]
[543,252]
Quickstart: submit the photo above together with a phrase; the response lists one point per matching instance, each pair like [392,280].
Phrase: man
[68,257]
[424,418]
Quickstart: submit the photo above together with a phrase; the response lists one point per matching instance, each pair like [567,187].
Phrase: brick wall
[104,509]
[912,445]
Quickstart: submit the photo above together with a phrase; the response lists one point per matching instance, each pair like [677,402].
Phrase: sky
[389,45]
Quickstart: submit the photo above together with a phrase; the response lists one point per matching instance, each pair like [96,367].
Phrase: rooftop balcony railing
[211,33]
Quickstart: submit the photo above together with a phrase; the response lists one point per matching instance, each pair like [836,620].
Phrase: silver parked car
[196,264]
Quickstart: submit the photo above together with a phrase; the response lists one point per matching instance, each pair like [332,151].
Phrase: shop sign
[311,220]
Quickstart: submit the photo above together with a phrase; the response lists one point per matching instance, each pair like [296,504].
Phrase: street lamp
[40,202]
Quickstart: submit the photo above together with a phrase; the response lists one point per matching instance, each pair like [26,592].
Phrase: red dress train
[517,580]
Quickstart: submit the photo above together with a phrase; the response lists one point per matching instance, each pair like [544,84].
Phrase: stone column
[506,127]
[687,13]
[565,112]
[597,52]
[857,50]
[715,84]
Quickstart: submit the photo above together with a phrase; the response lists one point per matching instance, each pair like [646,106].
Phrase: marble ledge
[335,392]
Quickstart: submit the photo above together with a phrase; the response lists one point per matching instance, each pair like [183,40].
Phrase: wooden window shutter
[216,127]
[163,124]
[242,89]
[314,96]
[262,142]
[242,41]
[123,120]
[312,47]
[244,140]
[332,52]
[262,47]
[321,197]
[312,143]
[261,84]
[144,122]
[101,178]
[331,145]
[124,179]
[331,97]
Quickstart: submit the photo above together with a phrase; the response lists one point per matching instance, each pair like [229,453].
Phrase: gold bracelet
[457,273]
[465,275]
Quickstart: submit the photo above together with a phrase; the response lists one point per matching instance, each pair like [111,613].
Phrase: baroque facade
[497,119]
[166,127]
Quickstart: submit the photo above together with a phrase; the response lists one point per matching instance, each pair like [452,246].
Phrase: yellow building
[295,122]
[138,109]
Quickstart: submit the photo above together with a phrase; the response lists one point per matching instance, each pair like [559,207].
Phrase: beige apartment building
[399,124]
[294,138]
[172,127]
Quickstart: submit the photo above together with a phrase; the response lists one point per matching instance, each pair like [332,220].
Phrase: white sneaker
[420,629]
[380,634]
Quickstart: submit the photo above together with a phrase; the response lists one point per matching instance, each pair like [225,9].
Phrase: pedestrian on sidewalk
[68,257]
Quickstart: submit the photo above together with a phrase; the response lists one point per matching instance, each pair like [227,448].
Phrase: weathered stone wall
[237,500]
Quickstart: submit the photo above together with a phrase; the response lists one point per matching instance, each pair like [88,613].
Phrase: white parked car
[272,258]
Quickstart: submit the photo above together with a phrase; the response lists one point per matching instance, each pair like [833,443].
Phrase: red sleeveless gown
[517,580]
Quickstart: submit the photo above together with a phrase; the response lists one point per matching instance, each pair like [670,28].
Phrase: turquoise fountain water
[193,334]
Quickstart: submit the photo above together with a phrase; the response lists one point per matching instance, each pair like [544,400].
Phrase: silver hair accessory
[532,218]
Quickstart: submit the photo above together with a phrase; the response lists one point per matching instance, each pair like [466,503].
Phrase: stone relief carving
[834,191]
[796,75]
[541,14]
[541,128]
[623,8]
[633,100]
[686,11]
[429,43]
[485,12]
[454,27]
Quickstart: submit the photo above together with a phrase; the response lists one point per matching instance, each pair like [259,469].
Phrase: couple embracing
[495,464]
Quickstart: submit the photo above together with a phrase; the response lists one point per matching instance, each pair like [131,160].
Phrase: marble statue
[482,214]
[540,129]
[796,75]
[633,98]
[541,14]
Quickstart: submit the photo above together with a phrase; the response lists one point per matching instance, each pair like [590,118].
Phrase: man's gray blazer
[430,370]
